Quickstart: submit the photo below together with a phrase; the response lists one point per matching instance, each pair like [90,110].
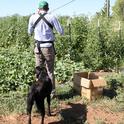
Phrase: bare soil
[71,113]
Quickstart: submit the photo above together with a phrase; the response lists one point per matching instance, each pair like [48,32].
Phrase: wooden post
[108,8]
[69,31]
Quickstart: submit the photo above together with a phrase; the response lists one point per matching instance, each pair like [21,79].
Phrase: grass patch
[15,102]
[66,93]
[99,121]
[12,102]
[111,104]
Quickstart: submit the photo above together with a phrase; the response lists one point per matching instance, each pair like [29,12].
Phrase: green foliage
[118,9]
[79,36]
[116,83]
[104,46]
[65,69]
[16,69]
[13,32]
[84,46]
[73,43]
[92,51]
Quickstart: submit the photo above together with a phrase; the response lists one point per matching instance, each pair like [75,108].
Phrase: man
[44,38]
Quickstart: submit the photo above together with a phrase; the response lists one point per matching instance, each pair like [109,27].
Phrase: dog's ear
[37,71]
[38,68]
[44,70]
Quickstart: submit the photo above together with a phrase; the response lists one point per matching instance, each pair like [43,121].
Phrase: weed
[99,121]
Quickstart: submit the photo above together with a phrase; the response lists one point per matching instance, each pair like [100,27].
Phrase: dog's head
[40,73]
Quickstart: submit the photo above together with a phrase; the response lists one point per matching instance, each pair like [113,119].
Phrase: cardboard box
[89,85]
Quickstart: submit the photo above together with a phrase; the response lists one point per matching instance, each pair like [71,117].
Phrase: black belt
[42,42]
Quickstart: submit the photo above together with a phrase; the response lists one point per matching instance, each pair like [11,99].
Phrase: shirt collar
[41,12]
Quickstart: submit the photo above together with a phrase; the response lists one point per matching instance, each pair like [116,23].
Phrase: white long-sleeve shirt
[42,31]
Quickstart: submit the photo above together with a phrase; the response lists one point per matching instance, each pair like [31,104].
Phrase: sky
[76,7]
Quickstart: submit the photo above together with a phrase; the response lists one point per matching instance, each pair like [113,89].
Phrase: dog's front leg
[30,102]
[29,118]
[42,120]
[49,102]
[41,108]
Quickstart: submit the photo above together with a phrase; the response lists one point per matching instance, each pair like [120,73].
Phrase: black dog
[39,90]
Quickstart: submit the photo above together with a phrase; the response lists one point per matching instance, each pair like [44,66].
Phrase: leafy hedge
[104,49]
[84,46]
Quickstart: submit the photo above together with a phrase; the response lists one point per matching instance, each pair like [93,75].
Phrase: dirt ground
[71,113]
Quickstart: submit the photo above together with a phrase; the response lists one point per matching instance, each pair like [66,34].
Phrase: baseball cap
[43,4]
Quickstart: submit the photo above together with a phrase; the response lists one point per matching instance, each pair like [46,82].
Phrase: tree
[105,11]
[118,9]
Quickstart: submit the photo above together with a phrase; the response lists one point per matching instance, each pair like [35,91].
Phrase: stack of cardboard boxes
[89,84]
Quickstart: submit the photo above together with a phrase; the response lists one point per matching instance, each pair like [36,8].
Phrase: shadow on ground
[111,92]
[73,114]
[67,95]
